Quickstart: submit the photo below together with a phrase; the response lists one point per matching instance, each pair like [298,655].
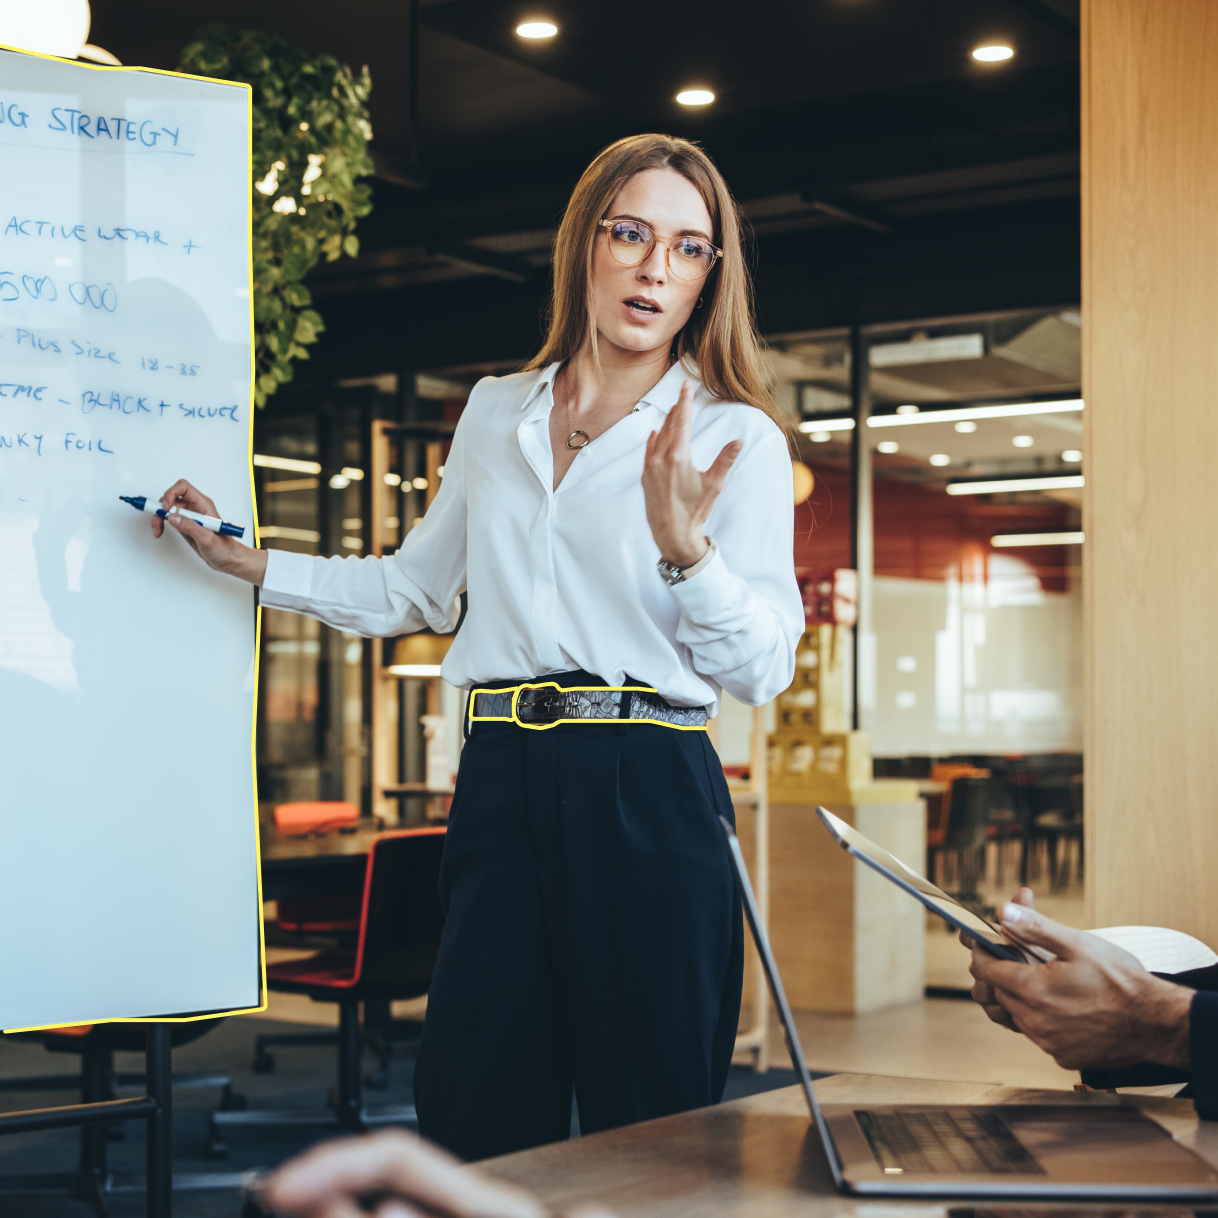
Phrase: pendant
[587,439]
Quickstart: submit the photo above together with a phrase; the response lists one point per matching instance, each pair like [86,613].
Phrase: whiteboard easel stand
[92,1181]
[755,795]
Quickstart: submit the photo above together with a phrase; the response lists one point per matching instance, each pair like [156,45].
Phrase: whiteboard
[128,821]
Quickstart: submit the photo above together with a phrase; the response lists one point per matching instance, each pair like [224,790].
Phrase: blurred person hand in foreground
[395,1174]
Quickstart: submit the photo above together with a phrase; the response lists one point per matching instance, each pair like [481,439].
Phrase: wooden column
[1150,379]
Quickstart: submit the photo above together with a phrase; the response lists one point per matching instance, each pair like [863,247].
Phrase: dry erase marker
[142,503]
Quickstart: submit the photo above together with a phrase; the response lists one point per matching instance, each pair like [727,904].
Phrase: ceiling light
[993,53]
[1007,411]
[907,409]
[1022,441]
[356,475]
[393,479]
[821,437]
[819,425]
[1072,456]
[419,484]
[537,29]
[353,522]
[413,670]
[940,459]
[1036,539]
[1063,482]
[339,482]
[695,97]
[888,446]
[927,350]
[966,427]
[289,463]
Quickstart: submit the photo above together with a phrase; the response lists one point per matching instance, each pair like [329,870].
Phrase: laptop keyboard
[955,1141]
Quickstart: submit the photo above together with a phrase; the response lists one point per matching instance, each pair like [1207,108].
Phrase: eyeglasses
[631,243]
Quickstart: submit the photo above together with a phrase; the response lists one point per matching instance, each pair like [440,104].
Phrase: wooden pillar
[1150,379]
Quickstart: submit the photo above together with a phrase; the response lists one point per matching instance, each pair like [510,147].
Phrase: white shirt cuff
[707,593]
[288,579]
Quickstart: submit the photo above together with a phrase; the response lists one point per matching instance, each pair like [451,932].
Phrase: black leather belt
[543,704]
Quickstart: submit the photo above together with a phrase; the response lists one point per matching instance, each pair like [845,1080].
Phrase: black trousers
[593,936]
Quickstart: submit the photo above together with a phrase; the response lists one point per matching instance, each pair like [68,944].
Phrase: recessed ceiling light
[695,97]
[1022,441]
[966,427]
[940,459]
[1072,456]
[888,446]
[907,410]
[820,437]
[537,29]
[993,53]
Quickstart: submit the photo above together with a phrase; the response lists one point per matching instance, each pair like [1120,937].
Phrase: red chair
[324,915]
[394,957]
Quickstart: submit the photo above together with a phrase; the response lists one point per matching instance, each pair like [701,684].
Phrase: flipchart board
[128,820]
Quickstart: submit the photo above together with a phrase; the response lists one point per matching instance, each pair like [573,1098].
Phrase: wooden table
[761,1158]
[332,863]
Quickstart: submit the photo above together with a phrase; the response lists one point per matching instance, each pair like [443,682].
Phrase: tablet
[992,938]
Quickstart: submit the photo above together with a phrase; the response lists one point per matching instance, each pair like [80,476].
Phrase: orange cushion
[302,817]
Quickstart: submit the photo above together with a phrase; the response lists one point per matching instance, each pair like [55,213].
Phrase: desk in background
[314,866]
[761,1156]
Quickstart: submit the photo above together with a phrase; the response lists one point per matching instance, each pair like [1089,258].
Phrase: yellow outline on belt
[514,690]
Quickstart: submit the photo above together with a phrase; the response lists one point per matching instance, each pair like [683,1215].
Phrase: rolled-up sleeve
[741,615]
[417,587]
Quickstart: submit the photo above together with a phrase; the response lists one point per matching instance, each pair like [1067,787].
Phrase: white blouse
[566,579]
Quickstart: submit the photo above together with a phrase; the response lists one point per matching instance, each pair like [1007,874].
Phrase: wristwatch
[672,575]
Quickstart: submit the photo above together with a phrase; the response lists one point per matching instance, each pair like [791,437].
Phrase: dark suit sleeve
[1203,1048]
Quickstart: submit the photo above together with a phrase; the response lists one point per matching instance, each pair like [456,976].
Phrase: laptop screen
[794,1048]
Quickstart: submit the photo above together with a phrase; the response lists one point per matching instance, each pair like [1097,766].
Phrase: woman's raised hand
[225,554]
[679,498]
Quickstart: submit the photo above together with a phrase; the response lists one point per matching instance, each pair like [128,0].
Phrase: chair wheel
[216,1148]
[234,1101]
[264,1062]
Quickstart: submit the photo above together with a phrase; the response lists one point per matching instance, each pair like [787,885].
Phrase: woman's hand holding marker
[679,498]
[224,554]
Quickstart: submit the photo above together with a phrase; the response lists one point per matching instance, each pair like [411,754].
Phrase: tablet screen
[933,898]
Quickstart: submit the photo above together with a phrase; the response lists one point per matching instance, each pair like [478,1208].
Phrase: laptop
[1026,1151]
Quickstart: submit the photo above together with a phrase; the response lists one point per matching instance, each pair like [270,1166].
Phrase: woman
[593,936]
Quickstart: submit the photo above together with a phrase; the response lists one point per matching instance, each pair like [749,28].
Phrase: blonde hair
[719,341]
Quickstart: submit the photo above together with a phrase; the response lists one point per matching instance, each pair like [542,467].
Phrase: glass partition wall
[969,655]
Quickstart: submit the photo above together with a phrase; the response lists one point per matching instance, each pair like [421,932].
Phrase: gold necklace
[566,409]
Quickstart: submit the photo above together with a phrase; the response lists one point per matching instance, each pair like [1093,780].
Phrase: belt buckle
[516,719]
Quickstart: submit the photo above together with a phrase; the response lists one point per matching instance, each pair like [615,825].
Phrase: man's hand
[1093,1007]
[983,992]
[395,1175]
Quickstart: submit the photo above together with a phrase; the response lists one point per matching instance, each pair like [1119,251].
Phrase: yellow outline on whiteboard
[514,690]
[249,228]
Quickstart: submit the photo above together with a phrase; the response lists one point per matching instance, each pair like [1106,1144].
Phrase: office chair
[303,921]
[939,811]
[394,957]
[97,1080]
